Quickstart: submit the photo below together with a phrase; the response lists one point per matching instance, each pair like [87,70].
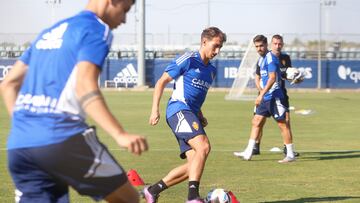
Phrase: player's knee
[256,122]
[204,149]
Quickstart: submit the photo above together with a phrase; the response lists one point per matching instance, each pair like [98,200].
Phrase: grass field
[328,169]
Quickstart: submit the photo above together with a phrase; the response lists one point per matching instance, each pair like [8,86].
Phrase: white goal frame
[243,87]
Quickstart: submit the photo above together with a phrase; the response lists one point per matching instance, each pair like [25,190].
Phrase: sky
[168,20]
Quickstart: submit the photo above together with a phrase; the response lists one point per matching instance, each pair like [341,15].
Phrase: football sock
[257,146]
[250,146]
[193,190]
[157,188]
[290,150]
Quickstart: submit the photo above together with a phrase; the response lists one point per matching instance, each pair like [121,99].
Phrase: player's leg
[288,121]
[256,150]
[180,173]
[175,176]
[124,194]
[183,131]
[257,124]
[201,146]
[285,132]
[279,113]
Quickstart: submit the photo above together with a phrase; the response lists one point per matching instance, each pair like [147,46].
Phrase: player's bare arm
[158,92]
[94,105]
[257,82]
[202,119]
[10,86]
[269,84]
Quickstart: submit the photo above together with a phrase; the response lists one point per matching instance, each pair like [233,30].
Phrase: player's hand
[203,121]
[135,144]
[154,118]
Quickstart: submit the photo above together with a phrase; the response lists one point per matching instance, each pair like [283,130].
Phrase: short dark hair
[212,32]
[260,38]
[277,36]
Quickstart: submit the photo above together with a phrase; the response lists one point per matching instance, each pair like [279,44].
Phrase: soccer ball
[294,75]
[218,195]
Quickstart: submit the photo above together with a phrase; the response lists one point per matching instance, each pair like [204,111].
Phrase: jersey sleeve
[95,45]
[273,63]
[25,57]
[177,67]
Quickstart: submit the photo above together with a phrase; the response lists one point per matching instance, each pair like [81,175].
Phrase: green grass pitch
[328,169]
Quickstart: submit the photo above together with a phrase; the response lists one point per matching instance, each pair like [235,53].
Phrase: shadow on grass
[331,155]
[315,199]
[313,156]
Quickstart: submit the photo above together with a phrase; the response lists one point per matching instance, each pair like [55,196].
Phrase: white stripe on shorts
[103,164]
[182,125]
[280,107]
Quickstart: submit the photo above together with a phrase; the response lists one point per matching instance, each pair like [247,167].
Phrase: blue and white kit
[273,103]
[270,63]
[50,147]
[47,110]
[192,80]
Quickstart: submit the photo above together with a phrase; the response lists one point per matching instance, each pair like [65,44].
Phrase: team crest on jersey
[195,125]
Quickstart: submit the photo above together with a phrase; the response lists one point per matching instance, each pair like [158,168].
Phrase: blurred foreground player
[47,93]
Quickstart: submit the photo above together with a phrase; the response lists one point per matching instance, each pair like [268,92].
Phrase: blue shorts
[185,125]
[43,174]
[275,107]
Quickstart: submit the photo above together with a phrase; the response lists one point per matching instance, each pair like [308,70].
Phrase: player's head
[112,12]
[277,44]
[212,40]
[260,42]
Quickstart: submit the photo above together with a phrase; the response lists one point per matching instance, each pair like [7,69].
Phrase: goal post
[243,87]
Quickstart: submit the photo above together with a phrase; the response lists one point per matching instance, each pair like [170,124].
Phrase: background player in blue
[270,101]
[47,93]
[193,74]
[277,44]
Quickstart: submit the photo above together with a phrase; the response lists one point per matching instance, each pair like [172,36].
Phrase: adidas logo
[127,75]
[52,39]
[197,70]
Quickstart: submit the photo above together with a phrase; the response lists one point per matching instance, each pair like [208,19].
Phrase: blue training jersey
[270,63]
[192,81]
[47,110]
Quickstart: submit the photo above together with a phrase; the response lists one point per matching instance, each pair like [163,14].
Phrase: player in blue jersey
[193,74]
[47,93]
[277,44]
[270,101]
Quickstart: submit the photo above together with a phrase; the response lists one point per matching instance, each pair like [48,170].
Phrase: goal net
[243,87]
